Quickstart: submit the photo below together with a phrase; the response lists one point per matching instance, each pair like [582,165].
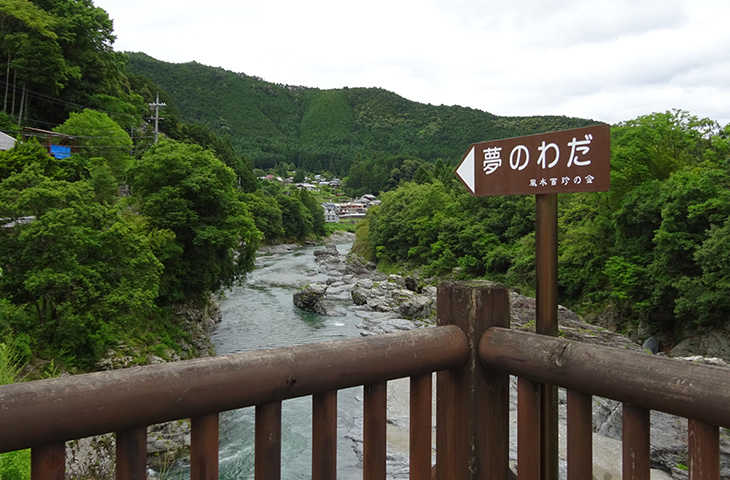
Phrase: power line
[58,101]
[40,134]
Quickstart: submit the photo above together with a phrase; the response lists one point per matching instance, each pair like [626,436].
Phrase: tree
[86,271]
[188,191]
[86,39]
[267,215]
[29,46]
[409,223]
[703,299]
[656,145]
[98,136]
[296,218]
[315,210]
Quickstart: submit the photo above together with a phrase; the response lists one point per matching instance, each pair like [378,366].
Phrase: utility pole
[157,106]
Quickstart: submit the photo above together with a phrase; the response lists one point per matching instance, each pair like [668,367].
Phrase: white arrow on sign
[465,171]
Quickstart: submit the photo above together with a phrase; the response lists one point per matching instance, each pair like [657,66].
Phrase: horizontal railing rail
[697,392]
[473,352]
[44,412]
[665,384]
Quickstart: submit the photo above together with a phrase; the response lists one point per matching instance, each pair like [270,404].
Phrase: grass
[9,364]
[331,228]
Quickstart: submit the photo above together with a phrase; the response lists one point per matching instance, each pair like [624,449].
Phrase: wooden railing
[473,352]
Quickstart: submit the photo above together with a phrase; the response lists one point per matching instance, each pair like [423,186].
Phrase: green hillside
[325,129]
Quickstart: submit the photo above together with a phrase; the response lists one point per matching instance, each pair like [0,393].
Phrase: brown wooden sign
[575,160]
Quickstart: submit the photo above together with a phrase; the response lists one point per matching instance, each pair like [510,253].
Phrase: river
[260,314]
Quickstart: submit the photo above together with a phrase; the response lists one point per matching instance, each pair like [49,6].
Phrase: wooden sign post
[567,161]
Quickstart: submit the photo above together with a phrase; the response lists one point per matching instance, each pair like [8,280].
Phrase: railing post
[324,436]
[267,443]
[636,461]
[580,435]
[421,408]
[374,431]
[704,450]
[48,462]
[472,410]
[528,429]
[132,454]
[204,446]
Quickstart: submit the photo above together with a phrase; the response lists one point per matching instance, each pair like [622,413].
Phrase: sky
[607,60]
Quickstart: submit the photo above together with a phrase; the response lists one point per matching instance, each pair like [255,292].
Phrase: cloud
[604,59]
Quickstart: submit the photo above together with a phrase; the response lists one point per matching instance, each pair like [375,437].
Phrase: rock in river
[311,298]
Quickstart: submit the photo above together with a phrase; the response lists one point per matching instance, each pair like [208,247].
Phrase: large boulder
[356,265]
[715,343]
[417,306]
[311,298]
[359,296]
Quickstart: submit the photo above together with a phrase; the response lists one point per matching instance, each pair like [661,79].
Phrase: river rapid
[260,314]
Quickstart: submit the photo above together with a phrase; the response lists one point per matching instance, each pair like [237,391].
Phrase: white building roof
[6,141]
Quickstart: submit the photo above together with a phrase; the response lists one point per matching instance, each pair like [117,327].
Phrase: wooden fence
[473,351]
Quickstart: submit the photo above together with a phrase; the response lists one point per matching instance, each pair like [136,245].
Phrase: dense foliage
[57,55]
[654,247]
[186,191]
[84,265]
[83,269]
[77,273]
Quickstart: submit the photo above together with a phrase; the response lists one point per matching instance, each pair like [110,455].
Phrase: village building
[331,213]
[6,141]
[306,186]
[59,145]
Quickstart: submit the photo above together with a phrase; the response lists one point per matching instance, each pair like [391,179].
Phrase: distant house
[331,213]
[6,141]
[7,223]
[307,186]
[352,210]
[58,145]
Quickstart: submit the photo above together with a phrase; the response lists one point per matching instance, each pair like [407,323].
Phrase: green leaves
[186,190]
[83,268]
[97,135]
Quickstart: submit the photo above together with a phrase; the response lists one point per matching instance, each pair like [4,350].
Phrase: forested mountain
[325,130]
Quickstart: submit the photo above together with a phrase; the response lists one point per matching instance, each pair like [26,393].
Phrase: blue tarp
[60,152]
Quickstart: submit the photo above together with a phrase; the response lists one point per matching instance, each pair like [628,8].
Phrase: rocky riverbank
[394,303]
[94,457]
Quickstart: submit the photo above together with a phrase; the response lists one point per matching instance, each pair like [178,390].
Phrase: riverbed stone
[358,296]
[378,327]
[651,344]
[311,298]
[715,343]
[418,306]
